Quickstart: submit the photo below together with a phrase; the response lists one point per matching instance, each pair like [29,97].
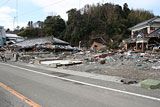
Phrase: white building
[2,36]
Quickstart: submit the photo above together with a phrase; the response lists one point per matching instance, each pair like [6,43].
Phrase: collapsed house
[43,43]
[98,44]
[144,36]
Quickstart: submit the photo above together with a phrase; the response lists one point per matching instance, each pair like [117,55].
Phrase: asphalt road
[52,89]
[9,100]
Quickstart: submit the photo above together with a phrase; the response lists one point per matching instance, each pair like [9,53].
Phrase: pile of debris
[127,65]
[131,64]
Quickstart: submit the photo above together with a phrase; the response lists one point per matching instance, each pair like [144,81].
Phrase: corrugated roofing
[39,41]
[58,41]
[12,35]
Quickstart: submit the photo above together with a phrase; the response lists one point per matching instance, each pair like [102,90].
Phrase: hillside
[109,21]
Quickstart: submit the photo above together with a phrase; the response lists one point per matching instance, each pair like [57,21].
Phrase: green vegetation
[107,20]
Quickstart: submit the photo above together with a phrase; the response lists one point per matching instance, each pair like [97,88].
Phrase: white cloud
[6,9]
[11,26]
[5,14]
[6,19]
[61,6]
[151,5]
[22,24]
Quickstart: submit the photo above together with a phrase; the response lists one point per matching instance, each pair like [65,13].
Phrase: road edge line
[20,96]
[88,84]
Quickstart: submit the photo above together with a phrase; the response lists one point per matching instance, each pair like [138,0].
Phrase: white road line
[88,84]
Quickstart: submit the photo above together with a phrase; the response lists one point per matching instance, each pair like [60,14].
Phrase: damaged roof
[58,41]
[40,41]
[12,35]
[156,32]
[99,40]
[130,40]
[150,21]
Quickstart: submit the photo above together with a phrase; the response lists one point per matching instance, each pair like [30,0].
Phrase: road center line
[85,83]
[28,101]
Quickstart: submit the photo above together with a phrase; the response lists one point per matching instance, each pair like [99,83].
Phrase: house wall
[156,25]
[149,30]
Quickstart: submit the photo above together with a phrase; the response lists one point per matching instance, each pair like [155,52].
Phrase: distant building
[97,44]
[144,35]
[146,27]
[13,38]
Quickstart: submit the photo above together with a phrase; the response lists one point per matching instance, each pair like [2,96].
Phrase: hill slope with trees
[108,20]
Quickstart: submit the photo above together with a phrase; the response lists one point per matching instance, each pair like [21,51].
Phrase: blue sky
[34,10]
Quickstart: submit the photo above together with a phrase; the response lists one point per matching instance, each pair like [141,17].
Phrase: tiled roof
[150,21]
[40,41]
[12,35]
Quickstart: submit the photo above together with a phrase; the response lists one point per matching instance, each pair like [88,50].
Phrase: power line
[7,17]
[17,11]
[15,18]
[42,7]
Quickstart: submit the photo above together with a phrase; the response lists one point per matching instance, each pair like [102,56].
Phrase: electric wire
[24,14]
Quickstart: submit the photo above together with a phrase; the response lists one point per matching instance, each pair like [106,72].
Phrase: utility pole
[79,45]
[17,12]
[14,19]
